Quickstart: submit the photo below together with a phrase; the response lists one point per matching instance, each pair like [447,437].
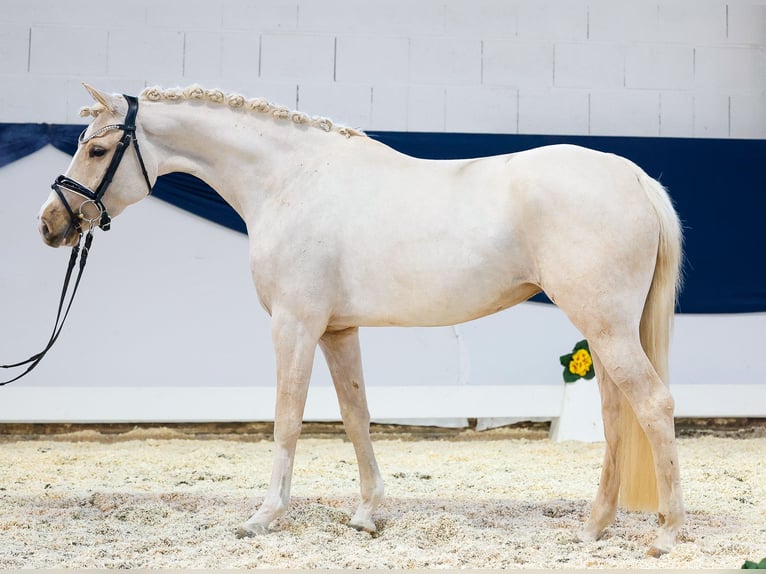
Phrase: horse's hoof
[367,526]
[663,543]
[251,530]
[587,536]
[656,552]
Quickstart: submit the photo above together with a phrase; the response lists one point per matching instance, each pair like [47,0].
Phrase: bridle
[95,197]
[102,220]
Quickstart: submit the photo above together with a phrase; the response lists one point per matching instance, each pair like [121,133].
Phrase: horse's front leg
[341,350]
[294,345]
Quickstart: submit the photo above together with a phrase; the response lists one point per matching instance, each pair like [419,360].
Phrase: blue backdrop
[718,187]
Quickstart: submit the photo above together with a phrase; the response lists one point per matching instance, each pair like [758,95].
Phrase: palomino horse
[346,232]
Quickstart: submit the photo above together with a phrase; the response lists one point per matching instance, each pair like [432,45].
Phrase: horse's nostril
[44,228]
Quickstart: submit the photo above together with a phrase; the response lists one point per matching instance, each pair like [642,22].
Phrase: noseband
[102,220]
[95,197]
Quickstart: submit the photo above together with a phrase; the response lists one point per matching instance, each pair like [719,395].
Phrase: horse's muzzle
[66,234]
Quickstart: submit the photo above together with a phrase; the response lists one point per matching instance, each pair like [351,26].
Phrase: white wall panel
[509,62]
[153,53]
[709,50]
[730,69]
[659,66]
[636,110]
[711,115]
[180,14]
[305,57]
[481,18]
[389,110]
[484,109]
[14,48]
[554,111]
[373,59]
[39,97]
[596,66]
[67,51]
[676,114]
[74,12]
[426,108]
[698,21]
[746,22]
[240,61]
[610,21]
[260,16]
[748,116]
[392,17]
[444,60]
[553,20]
[203,55]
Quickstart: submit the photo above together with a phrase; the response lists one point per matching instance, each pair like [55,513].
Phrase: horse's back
[567,187]
[420,242]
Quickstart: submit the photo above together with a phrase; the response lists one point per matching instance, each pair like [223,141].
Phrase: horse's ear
[106,100]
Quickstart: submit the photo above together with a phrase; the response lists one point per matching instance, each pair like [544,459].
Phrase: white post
[580,417]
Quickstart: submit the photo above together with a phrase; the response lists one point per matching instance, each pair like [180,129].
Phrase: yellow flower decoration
[578,364]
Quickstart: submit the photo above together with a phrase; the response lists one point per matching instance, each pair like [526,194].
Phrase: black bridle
[95,197]
[102,220]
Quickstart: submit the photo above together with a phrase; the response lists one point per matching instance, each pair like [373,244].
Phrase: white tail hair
[638,481]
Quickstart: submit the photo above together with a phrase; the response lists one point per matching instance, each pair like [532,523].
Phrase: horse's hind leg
[294,346]
[341,350]
[634,375]
[605,504]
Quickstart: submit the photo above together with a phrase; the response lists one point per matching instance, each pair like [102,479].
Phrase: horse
[345,232]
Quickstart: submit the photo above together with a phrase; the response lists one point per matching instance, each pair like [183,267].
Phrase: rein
[102,220]
[35,359]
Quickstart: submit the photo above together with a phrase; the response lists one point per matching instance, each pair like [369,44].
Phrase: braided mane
[216,96]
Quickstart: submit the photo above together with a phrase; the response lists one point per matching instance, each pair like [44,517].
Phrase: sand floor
[155,499]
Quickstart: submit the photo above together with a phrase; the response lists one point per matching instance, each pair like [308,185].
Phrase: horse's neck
[242,155]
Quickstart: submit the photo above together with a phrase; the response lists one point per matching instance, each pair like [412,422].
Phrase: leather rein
[76,220]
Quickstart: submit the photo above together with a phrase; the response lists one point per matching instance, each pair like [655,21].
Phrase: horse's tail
[638,482]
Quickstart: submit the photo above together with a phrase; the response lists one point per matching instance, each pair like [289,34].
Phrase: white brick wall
[554,111]
[510,62]
[372,59]
[659,66]
[681,68]
[676,114]
[592,65]
[67,51]
[13,38]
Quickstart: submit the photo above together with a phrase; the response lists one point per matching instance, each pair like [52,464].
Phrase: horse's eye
[96,151]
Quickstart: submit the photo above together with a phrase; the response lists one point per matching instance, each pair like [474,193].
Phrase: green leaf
[581,345]
[590,374]
[565,359]
[749,565]
[570,377]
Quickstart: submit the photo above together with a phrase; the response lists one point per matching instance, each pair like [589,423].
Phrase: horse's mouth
[66,238]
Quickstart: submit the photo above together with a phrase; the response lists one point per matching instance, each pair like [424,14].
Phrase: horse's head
[103,178]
